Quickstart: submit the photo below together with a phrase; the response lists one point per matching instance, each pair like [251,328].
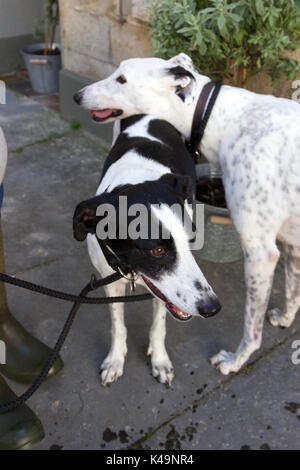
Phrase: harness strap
[113,260]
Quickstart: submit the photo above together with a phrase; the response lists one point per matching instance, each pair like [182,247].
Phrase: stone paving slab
[43,184]
[259,410]
[51,179]
[25,121]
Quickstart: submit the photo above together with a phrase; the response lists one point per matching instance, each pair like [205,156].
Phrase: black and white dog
[149,165]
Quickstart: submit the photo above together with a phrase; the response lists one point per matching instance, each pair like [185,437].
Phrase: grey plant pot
[43,70]
[221,240]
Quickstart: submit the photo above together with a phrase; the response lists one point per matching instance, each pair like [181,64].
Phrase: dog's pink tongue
[102,114]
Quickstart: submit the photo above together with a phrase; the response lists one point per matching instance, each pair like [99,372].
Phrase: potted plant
[43,60]
[231,39]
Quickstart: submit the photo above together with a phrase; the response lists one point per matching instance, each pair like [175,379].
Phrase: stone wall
[98,34]
[262,83]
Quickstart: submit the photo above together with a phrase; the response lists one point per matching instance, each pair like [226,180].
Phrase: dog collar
[125,269]
[202,113]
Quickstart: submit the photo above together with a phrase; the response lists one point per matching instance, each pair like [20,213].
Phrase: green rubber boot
[25,355]
[19,428]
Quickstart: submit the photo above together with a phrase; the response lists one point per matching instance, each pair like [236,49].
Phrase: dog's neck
[183,111]
[183,114]
[228,103]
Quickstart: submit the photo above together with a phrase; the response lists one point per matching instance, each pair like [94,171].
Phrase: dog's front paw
[277,318]
[225,362]
[112,368]
[162,367]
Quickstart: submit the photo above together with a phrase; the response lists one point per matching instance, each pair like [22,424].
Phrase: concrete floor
[51,168]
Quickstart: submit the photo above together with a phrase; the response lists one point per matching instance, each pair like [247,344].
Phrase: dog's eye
[158,252]
[121,79]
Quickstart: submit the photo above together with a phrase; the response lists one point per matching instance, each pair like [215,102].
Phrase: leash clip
[131,277]
[197,156]
[93,281]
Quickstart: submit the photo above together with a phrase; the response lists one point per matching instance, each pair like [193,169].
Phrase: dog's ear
[181,76]
[183,81]
[181,184]
[85,219]
[184,60]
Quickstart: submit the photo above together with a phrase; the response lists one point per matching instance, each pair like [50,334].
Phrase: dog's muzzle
[77,97]
[209,308]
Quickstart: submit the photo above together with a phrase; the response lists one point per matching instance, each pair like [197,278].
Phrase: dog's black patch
[180,94]
[179,71]
[137,253]
[121,79]
[127,122]
[172,153]
[198,285]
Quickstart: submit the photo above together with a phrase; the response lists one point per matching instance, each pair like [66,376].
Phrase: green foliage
[74,125]
[38,32]
[223,36]
[52,12]
[45,28]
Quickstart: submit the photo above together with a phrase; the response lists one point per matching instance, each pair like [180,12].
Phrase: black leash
[201,116]
[78,300]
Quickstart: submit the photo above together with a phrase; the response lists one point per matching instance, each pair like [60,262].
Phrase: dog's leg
[113,365]
[162,367]
[292,289]
[260,263]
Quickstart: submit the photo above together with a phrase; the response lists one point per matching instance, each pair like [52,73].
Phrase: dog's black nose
[209,308]
[77,97]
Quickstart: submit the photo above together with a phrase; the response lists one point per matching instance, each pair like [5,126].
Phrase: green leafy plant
[229,38]
[75,124]
[45,29]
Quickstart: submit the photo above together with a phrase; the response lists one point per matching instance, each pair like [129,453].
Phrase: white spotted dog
[256,141]
[149,164]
